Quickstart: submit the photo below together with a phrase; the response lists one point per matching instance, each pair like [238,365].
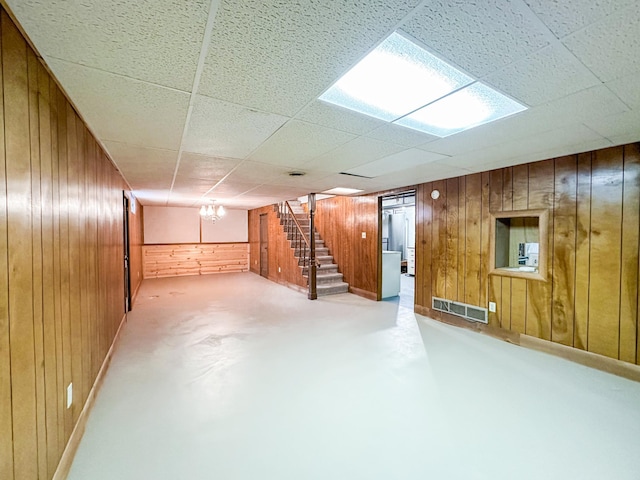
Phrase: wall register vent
[468,312]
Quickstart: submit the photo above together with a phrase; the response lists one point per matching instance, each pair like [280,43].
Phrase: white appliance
[390,274]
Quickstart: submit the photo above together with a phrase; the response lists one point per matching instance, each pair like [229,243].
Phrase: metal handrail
[299,228]
[299,241]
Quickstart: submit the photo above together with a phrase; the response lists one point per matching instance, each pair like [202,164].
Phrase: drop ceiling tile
[480,37]
[258,47]
[346,181]
[226,130]
[394,163]
[587,104]
[145,182]
[132,159]
[281,191]
[298,142]
[230,189]
[356,152]
[124,110]
[157,41]
[407,137]
[545,75]
[423,173]
[551,143]
[338,118]
[310,176]
[249,202]
[626,88]
[152,196]
[206,167]
[620,125]
[256,172]
[611,47]
[567,16]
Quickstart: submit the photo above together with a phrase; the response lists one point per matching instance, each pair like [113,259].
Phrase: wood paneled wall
[341,221]
[194,259]
[590,300]
[283,266]
[61,268]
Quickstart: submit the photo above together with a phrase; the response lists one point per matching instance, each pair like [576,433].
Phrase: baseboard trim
[64,466]
[363,293]
[588,359]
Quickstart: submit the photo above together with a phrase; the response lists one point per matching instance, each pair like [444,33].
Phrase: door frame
[264,266]
[127,253]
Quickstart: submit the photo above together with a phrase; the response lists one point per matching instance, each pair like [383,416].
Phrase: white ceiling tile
[356,152]
[286,191]
[136,159]
[625,125]
[627,89]
[396,162]
[333,116]
[152,196]
[124,110]
[407,137]
[250,202]
[278,56]
[545,75]
[226,130]
[480,37]
[206,167]
[256,172]
[551,143]
[563,17]
[347,181]
[298,142]
[611,47]
[423,173]
[158,41]
[587,104]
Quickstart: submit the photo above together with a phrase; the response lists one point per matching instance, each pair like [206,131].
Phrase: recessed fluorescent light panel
[401,82]
[342,191]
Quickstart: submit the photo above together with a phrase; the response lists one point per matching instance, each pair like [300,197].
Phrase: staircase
[328,280]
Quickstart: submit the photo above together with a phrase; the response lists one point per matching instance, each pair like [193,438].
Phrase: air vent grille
[468,312]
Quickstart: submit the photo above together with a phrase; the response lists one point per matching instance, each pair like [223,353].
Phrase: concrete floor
[235,377]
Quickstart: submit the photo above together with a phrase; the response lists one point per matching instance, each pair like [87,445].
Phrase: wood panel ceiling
[198,99]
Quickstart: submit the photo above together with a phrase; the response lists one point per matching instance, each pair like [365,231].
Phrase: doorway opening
[398,242]
[127,270]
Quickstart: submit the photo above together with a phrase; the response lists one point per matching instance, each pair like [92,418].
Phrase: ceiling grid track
[206,41]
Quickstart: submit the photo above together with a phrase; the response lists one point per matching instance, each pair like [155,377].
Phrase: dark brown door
[264,251]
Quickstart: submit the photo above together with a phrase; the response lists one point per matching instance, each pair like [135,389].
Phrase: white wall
[171,225]
[233,227]
[182,225]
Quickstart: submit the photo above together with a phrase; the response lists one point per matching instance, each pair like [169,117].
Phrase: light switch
[364,234]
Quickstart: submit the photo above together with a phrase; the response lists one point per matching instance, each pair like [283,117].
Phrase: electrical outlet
[279,270]
[256,262]
[364,234]
[69,395]
[492,307]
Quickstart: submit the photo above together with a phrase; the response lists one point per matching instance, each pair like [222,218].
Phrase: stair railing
[304,246]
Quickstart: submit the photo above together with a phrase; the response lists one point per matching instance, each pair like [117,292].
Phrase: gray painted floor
[235,377]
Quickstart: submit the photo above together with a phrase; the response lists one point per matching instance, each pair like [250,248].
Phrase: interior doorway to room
[264,253]
[127,270]
[398,241]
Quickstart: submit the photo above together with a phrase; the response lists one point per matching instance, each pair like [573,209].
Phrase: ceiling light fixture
[342,191]
[211,212]
[403,83]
